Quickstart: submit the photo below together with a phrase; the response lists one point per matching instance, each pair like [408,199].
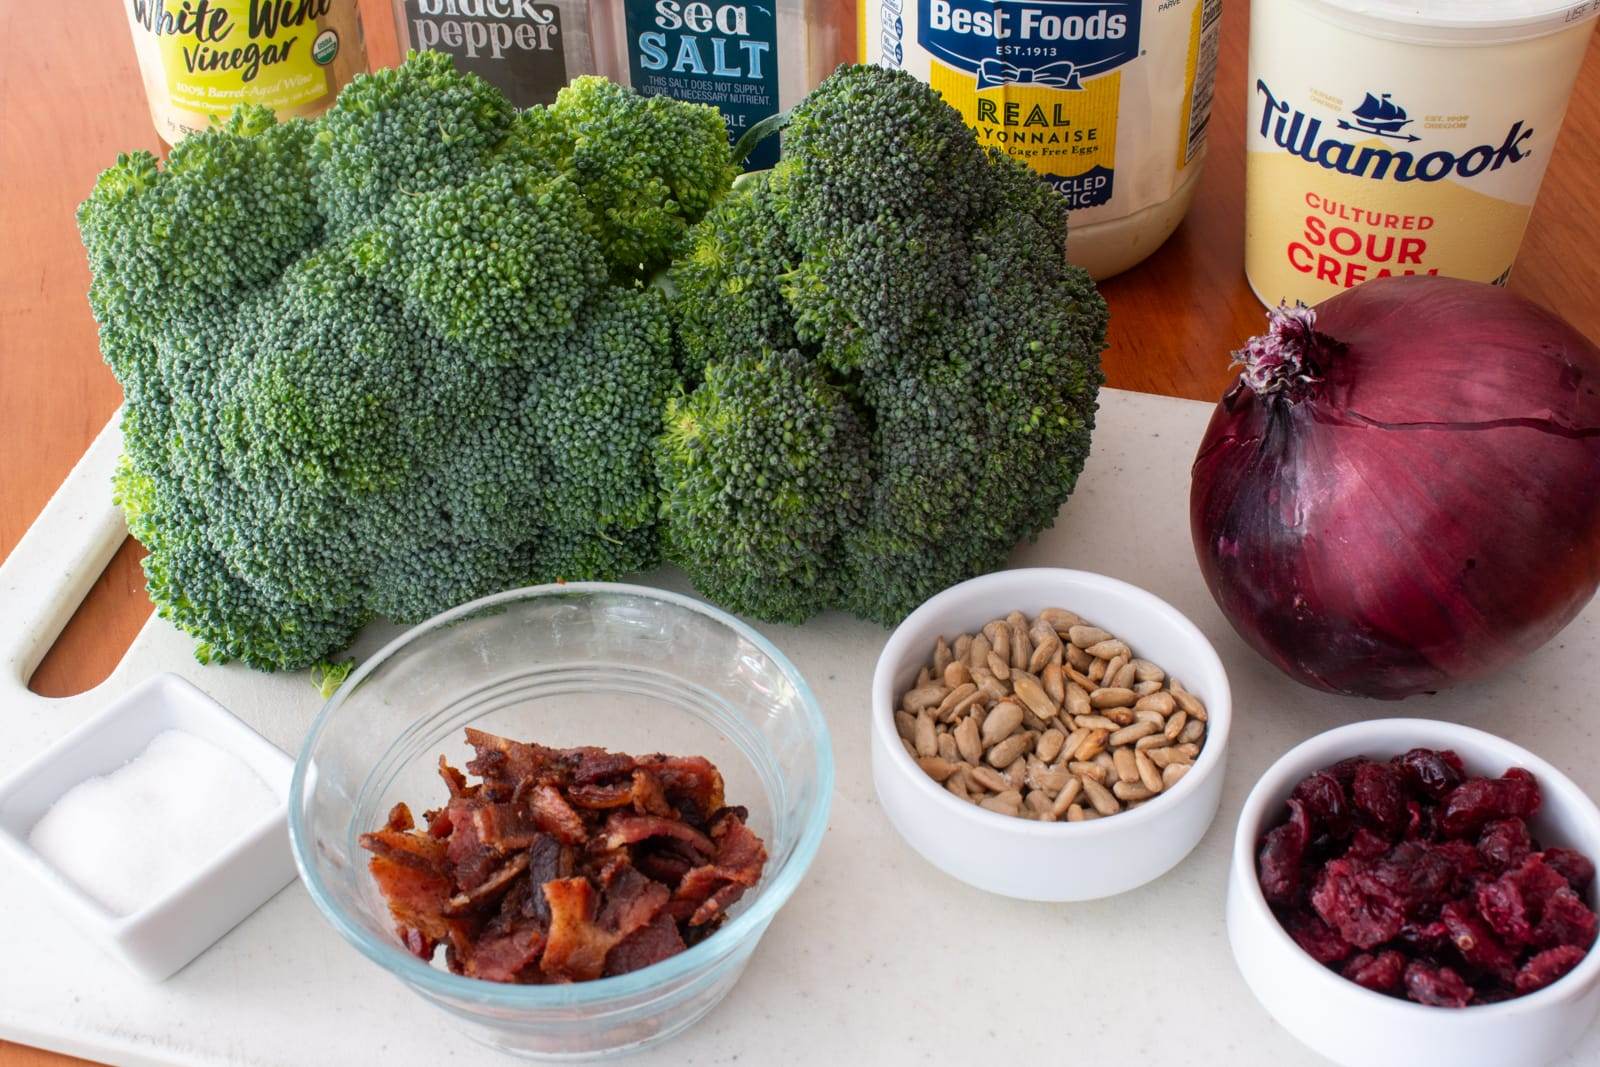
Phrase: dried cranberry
[1282,853]
[1428,774]
[1479,800]
[1347,899]
[1575,867]
[1429,940]
[1344,772]
[1566,920]
[1475,941]
[1364,844]
[1547,966]
[1380,799]
[1319,940]
[1437,986]
[1381,973]
[1420,876]
[1514,903]
[1504,843]
[1326,803]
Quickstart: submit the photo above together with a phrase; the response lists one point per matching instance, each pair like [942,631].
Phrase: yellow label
[1069,136]
[240,52]
[1312,232]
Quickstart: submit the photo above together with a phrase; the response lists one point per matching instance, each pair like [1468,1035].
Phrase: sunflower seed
[1065,798]
[1008,751]
[1087,770]
[1123,678]
[941,655]
[978,652]
[924,737]
[961,647]
[1001,722]
[1037,800]
[1129,734]
[1173,774]
[924,676]
[998,666]
[989,779]
[1104,803]
[957,784]
[924,696]
[1021,648]
[1086,636]
[1193,731]
[1108,649]
[1144,744]
[1188,701]
[967,740]
[1146,671]
[957,674]
[1127,769]
[947,748]
[1054,682]
[1075,813]
[998,634]
[1078,700]
[1093,745]
[1144,689]
[1050,744]
[1149,774]
[937,768]
[1097,673]
[1048,779]
[905,724]
[1131,791]
[952,698]
[1175,724]
[1033,694]
[1000,807]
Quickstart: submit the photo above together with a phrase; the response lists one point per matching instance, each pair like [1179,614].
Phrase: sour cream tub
[1400,136]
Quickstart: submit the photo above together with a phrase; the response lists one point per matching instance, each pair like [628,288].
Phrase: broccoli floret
[875,146]
[728,282]
[230,210]
[657,164]
[408,129]
[500,262]
[595,412]
[763,468]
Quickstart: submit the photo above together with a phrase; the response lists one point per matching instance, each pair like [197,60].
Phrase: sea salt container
[164,933]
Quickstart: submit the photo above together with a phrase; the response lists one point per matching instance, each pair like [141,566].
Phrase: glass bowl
[624,667]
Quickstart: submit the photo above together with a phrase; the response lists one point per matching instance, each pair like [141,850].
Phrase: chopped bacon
[706,893]
[651,944]
[561,865]
[631,829]
[553,815]
[649,798]
[504,957]
[689,781]
[576,951]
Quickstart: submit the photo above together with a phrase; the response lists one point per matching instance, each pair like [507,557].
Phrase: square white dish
[166,933]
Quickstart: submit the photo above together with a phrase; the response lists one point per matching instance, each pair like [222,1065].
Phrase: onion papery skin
[1418,507]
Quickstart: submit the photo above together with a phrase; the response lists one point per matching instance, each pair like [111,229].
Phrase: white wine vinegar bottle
[749,58]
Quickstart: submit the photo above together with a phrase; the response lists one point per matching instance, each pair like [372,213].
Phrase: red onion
[1402,490]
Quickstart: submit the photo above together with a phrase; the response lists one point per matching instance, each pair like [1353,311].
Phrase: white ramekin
[1354,1026]
[1050,861]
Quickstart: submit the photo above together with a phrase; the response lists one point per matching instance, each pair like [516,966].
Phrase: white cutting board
[878,958]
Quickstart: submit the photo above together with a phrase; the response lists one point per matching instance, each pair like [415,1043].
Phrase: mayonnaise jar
[1108,100]
[1400,136]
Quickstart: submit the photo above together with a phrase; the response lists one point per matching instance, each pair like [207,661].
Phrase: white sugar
[132,835]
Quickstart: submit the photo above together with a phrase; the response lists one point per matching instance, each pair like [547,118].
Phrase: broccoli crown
[656,163]
[910,306]
[376,365]
[764,467]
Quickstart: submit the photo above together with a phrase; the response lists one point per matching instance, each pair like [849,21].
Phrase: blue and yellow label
[1038,79]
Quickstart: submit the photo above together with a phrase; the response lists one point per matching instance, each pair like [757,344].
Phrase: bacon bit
[565,864]
[577,947]
[631,829]
[649,798]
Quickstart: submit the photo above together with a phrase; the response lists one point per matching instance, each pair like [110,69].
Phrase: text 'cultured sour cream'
[1108,100]
[1391,137]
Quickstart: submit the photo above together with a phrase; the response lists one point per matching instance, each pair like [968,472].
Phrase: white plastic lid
[1461,21]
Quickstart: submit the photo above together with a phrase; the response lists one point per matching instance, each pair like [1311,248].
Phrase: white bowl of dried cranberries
[1407,892]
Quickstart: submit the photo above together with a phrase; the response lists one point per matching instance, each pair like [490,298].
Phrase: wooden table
[65,113]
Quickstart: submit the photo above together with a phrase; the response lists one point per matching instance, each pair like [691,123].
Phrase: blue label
[1054,43]
[723,54]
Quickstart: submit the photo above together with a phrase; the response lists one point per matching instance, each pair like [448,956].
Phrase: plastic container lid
[1459,21]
